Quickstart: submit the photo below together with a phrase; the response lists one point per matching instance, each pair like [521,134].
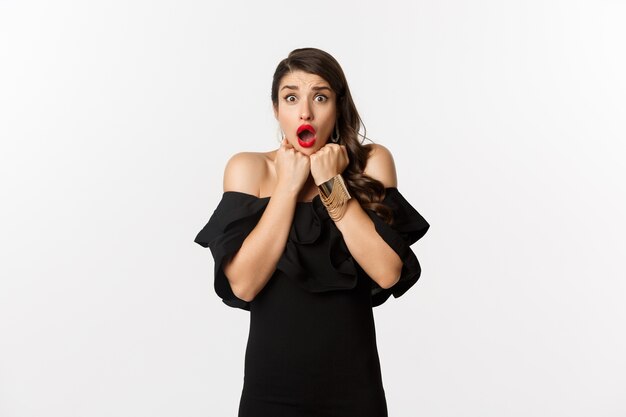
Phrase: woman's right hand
[292,168]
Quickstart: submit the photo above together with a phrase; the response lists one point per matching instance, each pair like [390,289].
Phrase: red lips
[306,135]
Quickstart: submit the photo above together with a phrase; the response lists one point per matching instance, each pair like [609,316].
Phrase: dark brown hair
[367,190]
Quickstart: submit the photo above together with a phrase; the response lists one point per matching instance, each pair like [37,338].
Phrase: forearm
[367,247]
[252,266]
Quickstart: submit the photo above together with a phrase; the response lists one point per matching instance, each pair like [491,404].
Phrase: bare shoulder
[244,172]
[380,165]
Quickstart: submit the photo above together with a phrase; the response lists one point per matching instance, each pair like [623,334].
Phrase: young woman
[308,238]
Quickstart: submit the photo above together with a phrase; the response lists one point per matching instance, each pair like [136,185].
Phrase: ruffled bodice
[315,256]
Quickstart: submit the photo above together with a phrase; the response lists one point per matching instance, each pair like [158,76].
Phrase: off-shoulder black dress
[312,344]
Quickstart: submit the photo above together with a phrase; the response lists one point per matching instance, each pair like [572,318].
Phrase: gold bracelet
[334,194]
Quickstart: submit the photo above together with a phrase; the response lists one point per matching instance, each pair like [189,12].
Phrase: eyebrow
[294,87]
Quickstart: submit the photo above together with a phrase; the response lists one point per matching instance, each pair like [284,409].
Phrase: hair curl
[367,190]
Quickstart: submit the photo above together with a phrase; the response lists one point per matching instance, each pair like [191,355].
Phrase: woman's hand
[330,160]
[292,168]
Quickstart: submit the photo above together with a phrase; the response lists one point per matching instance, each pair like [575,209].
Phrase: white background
[507,123]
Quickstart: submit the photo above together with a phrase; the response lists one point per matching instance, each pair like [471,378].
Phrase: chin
[306,151]
[314,148]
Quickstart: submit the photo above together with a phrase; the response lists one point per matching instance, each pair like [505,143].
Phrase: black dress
[312,344]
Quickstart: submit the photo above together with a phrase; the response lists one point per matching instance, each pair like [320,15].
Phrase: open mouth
[306,136]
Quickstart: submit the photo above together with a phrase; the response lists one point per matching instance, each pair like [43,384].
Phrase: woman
[308,238]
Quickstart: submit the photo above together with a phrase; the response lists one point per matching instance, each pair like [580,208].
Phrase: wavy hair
[367,190]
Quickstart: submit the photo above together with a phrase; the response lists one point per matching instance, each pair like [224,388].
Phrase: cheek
[332,114]
[330,122]
[283,116]
[286,114]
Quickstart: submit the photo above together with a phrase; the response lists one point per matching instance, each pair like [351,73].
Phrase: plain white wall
[506,120]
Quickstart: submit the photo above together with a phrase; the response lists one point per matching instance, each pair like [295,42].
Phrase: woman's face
[306,110]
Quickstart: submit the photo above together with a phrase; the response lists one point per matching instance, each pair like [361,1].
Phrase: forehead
[303,79]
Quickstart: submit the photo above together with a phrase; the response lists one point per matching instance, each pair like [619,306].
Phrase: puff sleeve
[408,227]
[235,217]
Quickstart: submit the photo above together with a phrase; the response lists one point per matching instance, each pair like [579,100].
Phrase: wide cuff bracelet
[334,194]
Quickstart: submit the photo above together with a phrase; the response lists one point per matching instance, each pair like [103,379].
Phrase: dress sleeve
[229,225]
[408,227]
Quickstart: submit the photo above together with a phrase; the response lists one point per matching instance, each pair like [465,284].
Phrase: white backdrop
[507,123]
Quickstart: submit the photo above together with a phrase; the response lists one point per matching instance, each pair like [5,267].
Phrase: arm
[367,247]
[254,263]
[252,266]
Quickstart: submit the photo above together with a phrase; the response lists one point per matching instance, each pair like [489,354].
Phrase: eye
[321,98]
[290,98]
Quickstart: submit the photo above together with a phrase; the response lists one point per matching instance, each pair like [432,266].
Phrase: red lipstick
[306,135]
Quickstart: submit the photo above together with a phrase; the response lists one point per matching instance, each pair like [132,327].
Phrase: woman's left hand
[330,160]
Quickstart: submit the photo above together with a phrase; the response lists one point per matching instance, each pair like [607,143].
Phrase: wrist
[328,175]
[285,193]
[334,195]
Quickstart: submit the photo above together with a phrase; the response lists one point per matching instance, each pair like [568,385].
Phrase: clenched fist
[330,160]
[292,167]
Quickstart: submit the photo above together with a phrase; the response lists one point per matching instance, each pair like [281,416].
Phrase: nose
[305,112]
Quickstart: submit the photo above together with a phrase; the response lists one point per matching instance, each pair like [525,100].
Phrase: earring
[281,134]
[335,136]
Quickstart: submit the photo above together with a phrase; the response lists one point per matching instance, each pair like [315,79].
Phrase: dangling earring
[281,134]
[335,136]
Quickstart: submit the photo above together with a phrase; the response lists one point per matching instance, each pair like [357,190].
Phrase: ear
[275,108]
